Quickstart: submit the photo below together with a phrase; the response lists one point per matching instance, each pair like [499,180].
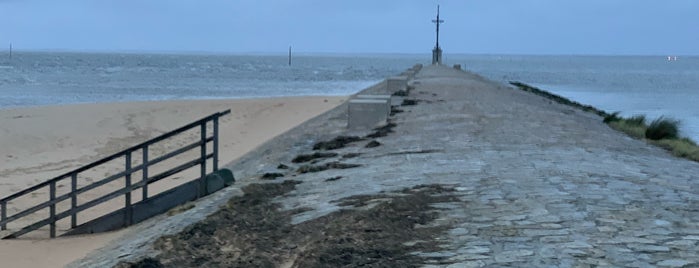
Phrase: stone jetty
[466,172]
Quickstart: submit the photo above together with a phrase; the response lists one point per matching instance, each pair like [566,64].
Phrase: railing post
[215,165]
[202,182]
[3,215]
[52,208]
[127,195]
[144,190]
[73,200]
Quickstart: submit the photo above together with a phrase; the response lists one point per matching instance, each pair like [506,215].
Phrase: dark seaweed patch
[336,143]
[326,166]
[308,157]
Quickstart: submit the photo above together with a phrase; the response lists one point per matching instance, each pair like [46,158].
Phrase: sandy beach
[39,143]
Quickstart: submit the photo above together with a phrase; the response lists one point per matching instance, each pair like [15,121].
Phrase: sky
[540,27]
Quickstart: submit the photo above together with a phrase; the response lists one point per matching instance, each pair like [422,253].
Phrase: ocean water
[648,85]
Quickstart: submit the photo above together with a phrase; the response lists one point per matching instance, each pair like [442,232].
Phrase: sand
[39,143]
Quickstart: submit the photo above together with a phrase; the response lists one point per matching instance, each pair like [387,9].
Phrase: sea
[653,86]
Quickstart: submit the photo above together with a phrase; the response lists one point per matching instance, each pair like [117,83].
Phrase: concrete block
[417,67]
[367,113]
[392,100]
[394,84]
[410,74]
[373,97]
[396,101]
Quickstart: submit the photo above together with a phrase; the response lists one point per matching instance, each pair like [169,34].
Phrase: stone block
[457,66]
[392,100]
[395,84]
[367,113]
[410,74]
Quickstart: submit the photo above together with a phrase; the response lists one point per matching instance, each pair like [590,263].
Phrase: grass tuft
[639,120]
[613,117]
[629,127]
[680,147]
[663,128]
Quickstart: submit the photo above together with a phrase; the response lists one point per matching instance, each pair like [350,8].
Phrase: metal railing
[128,188]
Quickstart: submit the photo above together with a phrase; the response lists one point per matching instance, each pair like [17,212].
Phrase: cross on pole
[437,21]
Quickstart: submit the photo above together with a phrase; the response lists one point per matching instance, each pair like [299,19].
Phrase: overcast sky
[630,27]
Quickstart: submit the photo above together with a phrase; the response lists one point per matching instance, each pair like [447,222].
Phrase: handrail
[115,156]
[126,173]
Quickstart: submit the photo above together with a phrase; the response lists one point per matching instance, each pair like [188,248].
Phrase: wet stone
[458,231]
[468,264]
[476,250]
[463,257]
[674,263]
[606,229]
[649,248]
[548,219]
[554,239]
[513,217]
[577,244]
[544,232]
[681,243]
[691,237]
[575,252]
[513,256]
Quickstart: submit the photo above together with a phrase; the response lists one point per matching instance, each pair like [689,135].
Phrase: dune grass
[680,147]
[662,132]
[663,128]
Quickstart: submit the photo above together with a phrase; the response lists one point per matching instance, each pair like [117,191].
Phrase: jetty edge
[510,178]
[634,126]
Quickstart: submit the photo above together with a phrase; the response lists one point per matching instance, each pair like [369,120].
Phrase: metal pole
[145,173]
[52,208]
[73,200]
[215,165]
[127,205]
[3,215]
[202,182]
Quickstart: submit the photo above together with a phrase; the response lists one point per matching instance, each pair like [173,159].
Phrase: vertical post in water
[52,208]
[3,215]
[144,190]
[127,199]
[73,200]
[10,50]
[289,55]
[215,164]
[202,180]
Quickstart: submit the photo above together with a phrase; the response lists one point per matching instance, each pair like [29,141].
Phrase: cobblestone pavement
[546,185]
[540,184]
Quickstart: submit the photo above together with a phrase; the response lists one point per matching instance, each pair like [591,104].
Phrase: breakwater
[511,179]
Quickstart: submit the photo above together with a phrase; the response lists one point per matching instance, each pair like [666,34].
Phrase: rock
[674,263]
[513,255]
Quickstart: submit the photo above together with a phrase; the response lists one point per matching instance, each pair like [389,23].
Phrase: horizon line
[324,53]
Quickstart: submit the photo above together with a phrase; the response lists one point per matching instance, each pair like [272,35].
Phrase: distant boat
[671,58]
